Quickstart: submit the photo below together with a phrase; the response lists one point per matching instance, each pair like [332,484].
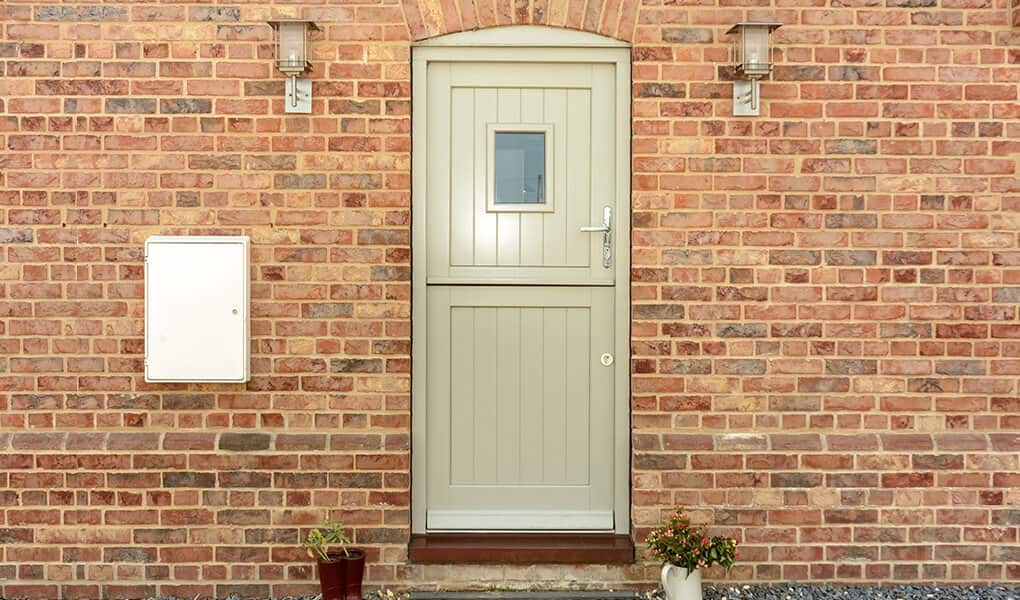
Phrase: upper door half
[518,143]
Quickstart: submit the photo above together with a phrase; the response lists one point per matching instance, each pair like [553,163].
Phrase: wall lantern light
[753,61]
[290,42]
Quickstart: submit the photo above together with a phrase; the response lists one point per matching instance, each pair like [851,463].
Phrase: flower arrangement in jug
[677,543]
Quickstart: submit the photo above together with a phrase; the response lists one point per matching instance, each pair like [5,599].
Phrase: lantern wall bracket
[746,97]
[298,95]
[752,62]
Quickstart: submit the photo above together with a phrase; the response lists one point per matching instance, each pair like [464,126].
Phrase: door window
[520,160]
[520,167]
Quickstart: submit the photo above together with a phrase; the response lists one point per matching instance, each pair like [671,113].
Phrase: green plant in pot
[684,551]
[341,569]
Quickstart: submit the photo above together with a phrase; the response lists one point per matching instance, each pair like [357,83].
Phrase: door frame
[521,43]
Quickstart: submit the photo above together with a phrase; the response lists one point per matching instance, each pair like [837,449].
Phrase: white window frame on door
[528,44]
[490,179]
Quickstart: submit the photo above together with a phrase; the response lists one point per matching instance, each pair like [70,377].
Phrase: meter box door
[196,309]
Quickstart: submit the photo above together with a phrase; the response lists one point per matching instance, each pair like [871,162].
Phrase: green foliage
[320,538]
[677,543]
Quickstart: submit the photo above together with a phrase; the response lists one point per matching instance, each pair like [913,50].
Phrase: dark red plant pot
[331,580]
[340,578]
[354,572]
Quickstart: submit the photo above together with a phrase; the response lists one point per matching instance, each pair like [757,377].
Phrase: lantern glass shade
[291,42]
[754,48]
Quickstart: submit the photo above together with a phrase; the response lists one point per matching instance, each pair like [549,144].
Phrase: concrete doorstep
[579,595]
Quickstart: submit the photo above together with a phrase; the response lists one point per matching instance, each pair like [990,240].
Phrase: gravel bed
[830,592]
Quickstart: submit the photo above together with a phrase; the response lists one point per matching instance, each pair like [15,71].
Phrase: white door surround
[471,294]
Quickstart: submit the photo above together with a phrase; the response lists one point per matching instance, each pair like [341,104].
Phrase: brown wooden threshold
[532,548]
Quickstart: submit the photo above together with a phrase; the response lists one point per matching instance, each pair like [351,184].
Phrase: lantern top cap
[771,25]
[277,22]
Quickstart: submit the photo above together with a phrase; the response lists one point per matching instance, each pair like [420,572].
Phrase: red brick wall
[826,350]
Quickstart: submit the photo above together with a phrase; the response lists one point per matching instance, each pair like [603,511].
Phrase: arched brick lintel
[431,18]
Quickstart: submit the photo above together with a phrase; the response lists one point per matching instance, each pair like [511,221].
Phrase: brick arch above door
[430,18]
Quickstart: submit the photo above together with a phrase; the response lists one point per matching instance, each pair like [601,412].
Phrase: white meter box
[196,309]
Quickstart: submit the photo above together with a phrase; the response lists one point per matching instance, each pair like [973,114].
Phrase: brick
[185,106]
[356,365]
[852,480]
[214,161]
[214,13]
[244,479]
[1006,294]
[684,35]
[81,13]
[961,330]
[851,221]
[131,105]
[744,330]
[823,384]
[795,257]
[188,401]
[796,480]
[84,87]
[851,367]
[244,442]
[740,366]
[657,311]
[659,90]
[851,146]
[10,235]
[796,330]
[937,461]
[851,257]
[307,181]
[908,480]
[327,310]
[189,480]
[961,367]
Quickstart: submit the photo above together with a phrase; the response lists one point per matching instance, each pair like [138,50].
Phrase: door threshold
[521,548]
[572,595]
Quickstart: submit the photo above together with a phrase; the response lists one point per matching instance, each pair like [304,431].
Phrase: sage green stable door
[520,296]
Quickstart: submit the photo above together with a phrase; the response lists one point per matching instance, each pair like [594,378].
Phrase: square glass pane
[520,167]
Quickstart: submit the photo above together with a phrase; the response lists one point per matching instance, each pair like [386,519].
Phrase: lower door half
[520,429]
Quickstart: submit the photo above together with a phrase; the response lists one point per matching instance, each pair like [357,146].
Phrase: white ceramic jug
[678,585]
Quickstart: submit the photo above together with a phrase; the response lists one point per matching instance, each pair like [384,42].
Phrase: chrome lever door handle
[606,228]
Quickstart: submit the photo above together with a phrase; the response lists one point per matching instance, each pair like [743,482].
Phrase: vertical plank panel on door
[509,222]
[577,397]
[486,423]
[508,394]
[554,420]
[578,204]
[533,375]
[485,225]
[462,394]
[462,181]
[554,224]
